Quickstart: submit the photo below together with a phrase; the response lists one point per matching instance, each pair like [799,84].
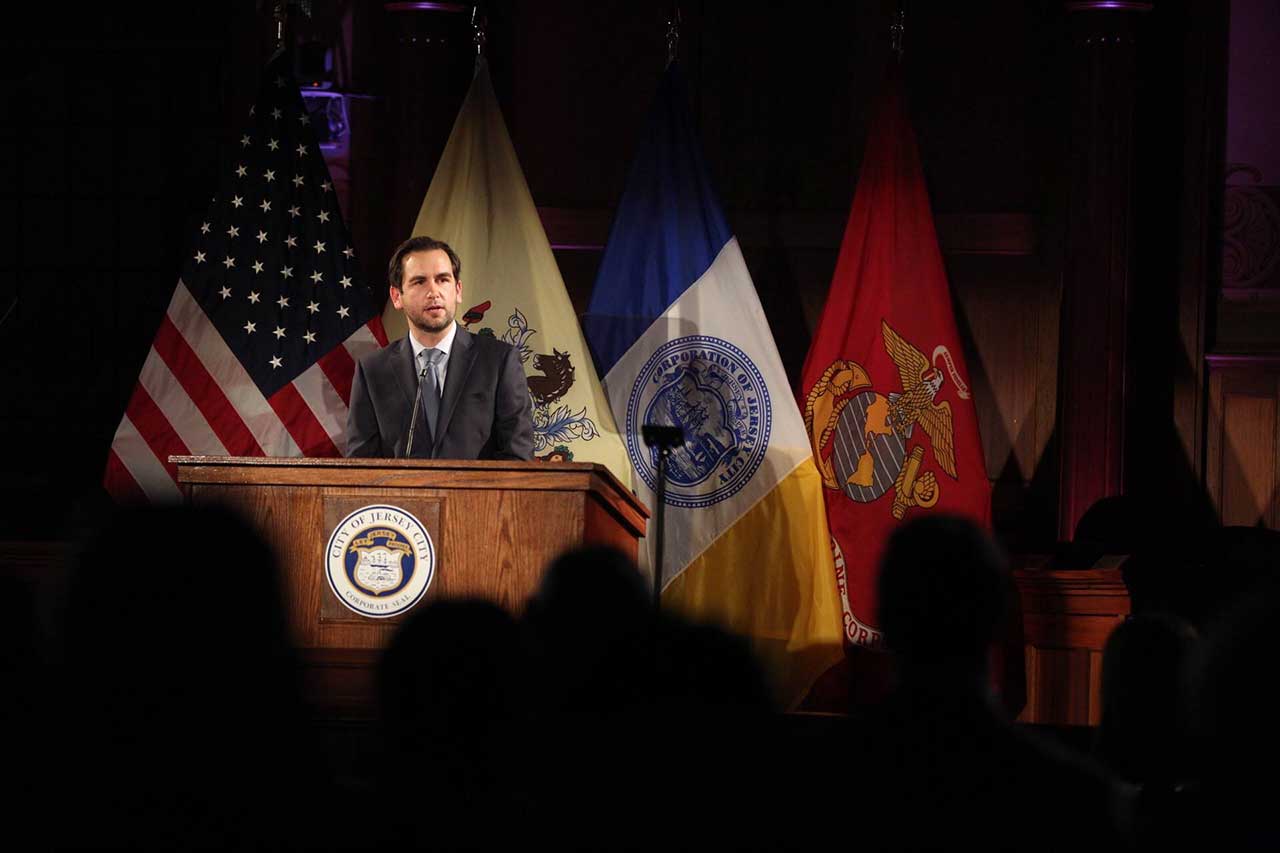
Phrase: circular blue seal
[379,560]
[716,394]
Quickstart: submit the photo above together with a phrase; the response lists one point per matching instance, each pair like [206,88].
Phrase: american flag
[255,354]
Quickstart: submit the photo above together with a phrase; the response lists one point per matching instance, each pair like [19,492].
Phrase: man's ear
[395,297]
[458,282]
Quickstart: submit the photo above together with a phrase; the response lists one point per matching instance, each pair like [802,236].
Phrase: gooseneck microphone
[413,419]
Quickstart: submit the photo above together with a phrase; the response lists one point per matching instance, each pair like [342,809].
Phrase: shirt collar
[444,346]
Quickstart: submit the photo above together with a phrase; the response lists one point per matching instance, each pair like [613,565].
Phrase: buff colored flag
[885,389]
[677,328]
[479,203]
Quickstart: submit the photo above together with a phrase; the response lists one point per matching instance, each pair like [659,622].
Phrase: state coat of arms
[555,425]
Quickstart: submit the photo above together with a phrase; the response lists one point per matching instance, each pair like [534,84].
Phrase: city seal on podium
[380,561]
[713,390]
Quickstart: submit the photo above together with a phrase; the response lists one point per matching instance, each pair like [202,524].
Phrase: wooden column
[1097,266]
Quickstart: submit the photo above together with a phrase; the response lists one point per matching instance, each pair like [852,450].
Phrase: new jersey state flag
[885,391]
[479,203]
[677,331]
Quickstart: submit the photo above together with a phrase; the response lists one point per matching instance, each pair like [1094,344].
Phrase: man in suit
[474,403]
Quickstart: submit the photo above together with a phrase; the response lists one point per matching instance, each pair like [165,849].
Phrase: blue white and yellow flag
[479,203]
[680,337]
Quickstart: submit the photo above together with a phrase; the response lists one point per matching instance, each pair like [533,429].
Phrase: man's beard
[424,325]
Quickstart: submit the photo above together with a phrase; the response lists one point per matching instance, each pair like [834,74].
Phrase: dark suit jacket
[485,411]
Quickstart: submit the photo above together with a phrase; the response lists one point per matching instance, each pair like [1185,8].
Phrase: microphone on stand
[413,419]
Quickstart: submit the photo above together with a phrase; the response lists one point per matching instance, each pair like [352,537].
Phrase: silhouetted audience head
[1198,572]
[1144,668]
[591,621]
[943,589]
[452,697]
[181,686]
[454,666]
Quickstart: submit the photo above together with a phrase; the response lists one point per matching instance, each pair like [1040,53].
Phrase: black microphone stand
[413,418]
[664,438]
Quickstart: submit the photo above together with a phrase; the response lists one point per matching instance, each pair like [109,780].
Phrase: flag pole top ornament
[479,30]
[673,35]
[897,28]
[280,12]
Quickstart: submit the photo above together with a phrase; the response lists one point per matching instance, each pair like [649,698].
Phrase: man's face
[430,295]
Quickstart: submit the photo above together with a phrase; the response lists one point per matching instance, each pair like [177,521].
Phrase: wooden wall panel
[1242,468]
[1248,455]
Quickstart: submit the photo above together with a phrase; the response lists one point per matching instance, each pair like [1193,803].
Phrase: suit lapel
[406,374]
[461,357]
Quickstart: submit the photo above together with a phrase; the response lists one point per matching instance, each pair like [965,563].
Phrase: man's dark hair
[395,270]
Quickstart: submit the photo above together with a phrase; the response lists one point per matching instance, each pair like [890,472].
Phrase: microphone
[413,419]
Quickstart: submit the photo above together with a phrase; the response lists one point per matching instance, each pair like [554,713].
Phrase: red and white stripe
[194,397]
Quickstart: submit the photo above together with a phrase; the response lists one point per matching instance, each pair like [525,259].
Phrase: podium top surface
[410,473]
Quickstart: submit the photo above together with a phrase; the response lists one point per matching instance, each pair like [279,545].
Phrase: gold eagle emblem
[920,384]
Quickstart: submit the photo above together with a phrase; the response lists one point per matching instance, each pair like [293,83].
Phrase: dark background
[116,116]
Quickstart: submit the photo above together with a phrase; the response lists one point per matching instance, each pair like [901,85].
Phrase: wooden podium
[495,526]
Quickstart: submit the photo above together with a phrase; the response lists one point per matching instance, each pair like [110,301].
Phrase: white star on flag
[226,291]
[199,257]
[237,201]
[319,247]
[309,337]
[317,276]
[274,144]
[343,311]
[349,252]
[204,227]
[241,171]
[345,281]
[258,266]
[279,332]
[326,186]
[266,206]
[283,302]
[291,241]
[287,272]
[255,297]
[295,211]
[302,150]
[251,327]
[262,236]
[297,180]
[244,140]
[276,113]
[313,307]
[276,362]
[323,216]
[228,262]
[233,231]
[269,175]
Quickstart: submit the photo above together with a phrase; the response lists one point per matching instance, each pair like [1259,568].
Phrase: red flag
[886,395]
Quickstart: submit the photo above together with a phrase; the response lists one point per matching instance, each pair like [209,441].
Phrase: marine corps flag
[885,393]
[479,203]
